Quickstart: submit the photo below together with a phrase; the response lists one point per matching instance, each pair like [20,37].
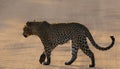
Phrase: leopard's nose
[24,35]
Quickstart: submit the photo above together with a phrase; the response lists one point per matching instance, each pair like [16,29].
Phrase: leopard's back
[61,33]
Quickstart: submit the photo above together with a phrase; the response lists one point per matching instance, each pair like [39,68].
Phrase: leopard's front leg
[48,55]
[48,60]
[42,57]
[48,48]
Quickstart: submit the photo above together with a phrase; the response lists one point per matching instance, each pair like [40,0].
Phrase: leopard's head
[33,28]
[27,31]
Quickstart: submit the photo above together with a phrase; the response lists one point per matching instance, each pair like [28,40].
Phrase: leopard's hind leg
[84,47]
[75,48]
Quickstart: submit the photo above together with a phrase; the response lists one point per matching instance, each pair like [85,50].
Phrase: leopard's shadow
[72,67]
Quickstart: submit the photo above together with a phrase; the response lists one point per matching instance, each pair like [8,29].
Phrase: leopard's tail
[88,34]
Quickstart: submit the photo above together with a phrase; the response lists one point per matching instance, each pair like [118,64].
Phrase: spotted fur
[52,35]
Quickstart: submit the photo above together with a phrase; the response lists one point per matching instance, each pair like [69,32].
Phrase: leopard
[54,34]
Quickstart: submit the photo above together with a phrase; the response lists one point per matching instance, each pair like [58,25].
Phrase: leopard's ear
[45,22]
[28,23]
